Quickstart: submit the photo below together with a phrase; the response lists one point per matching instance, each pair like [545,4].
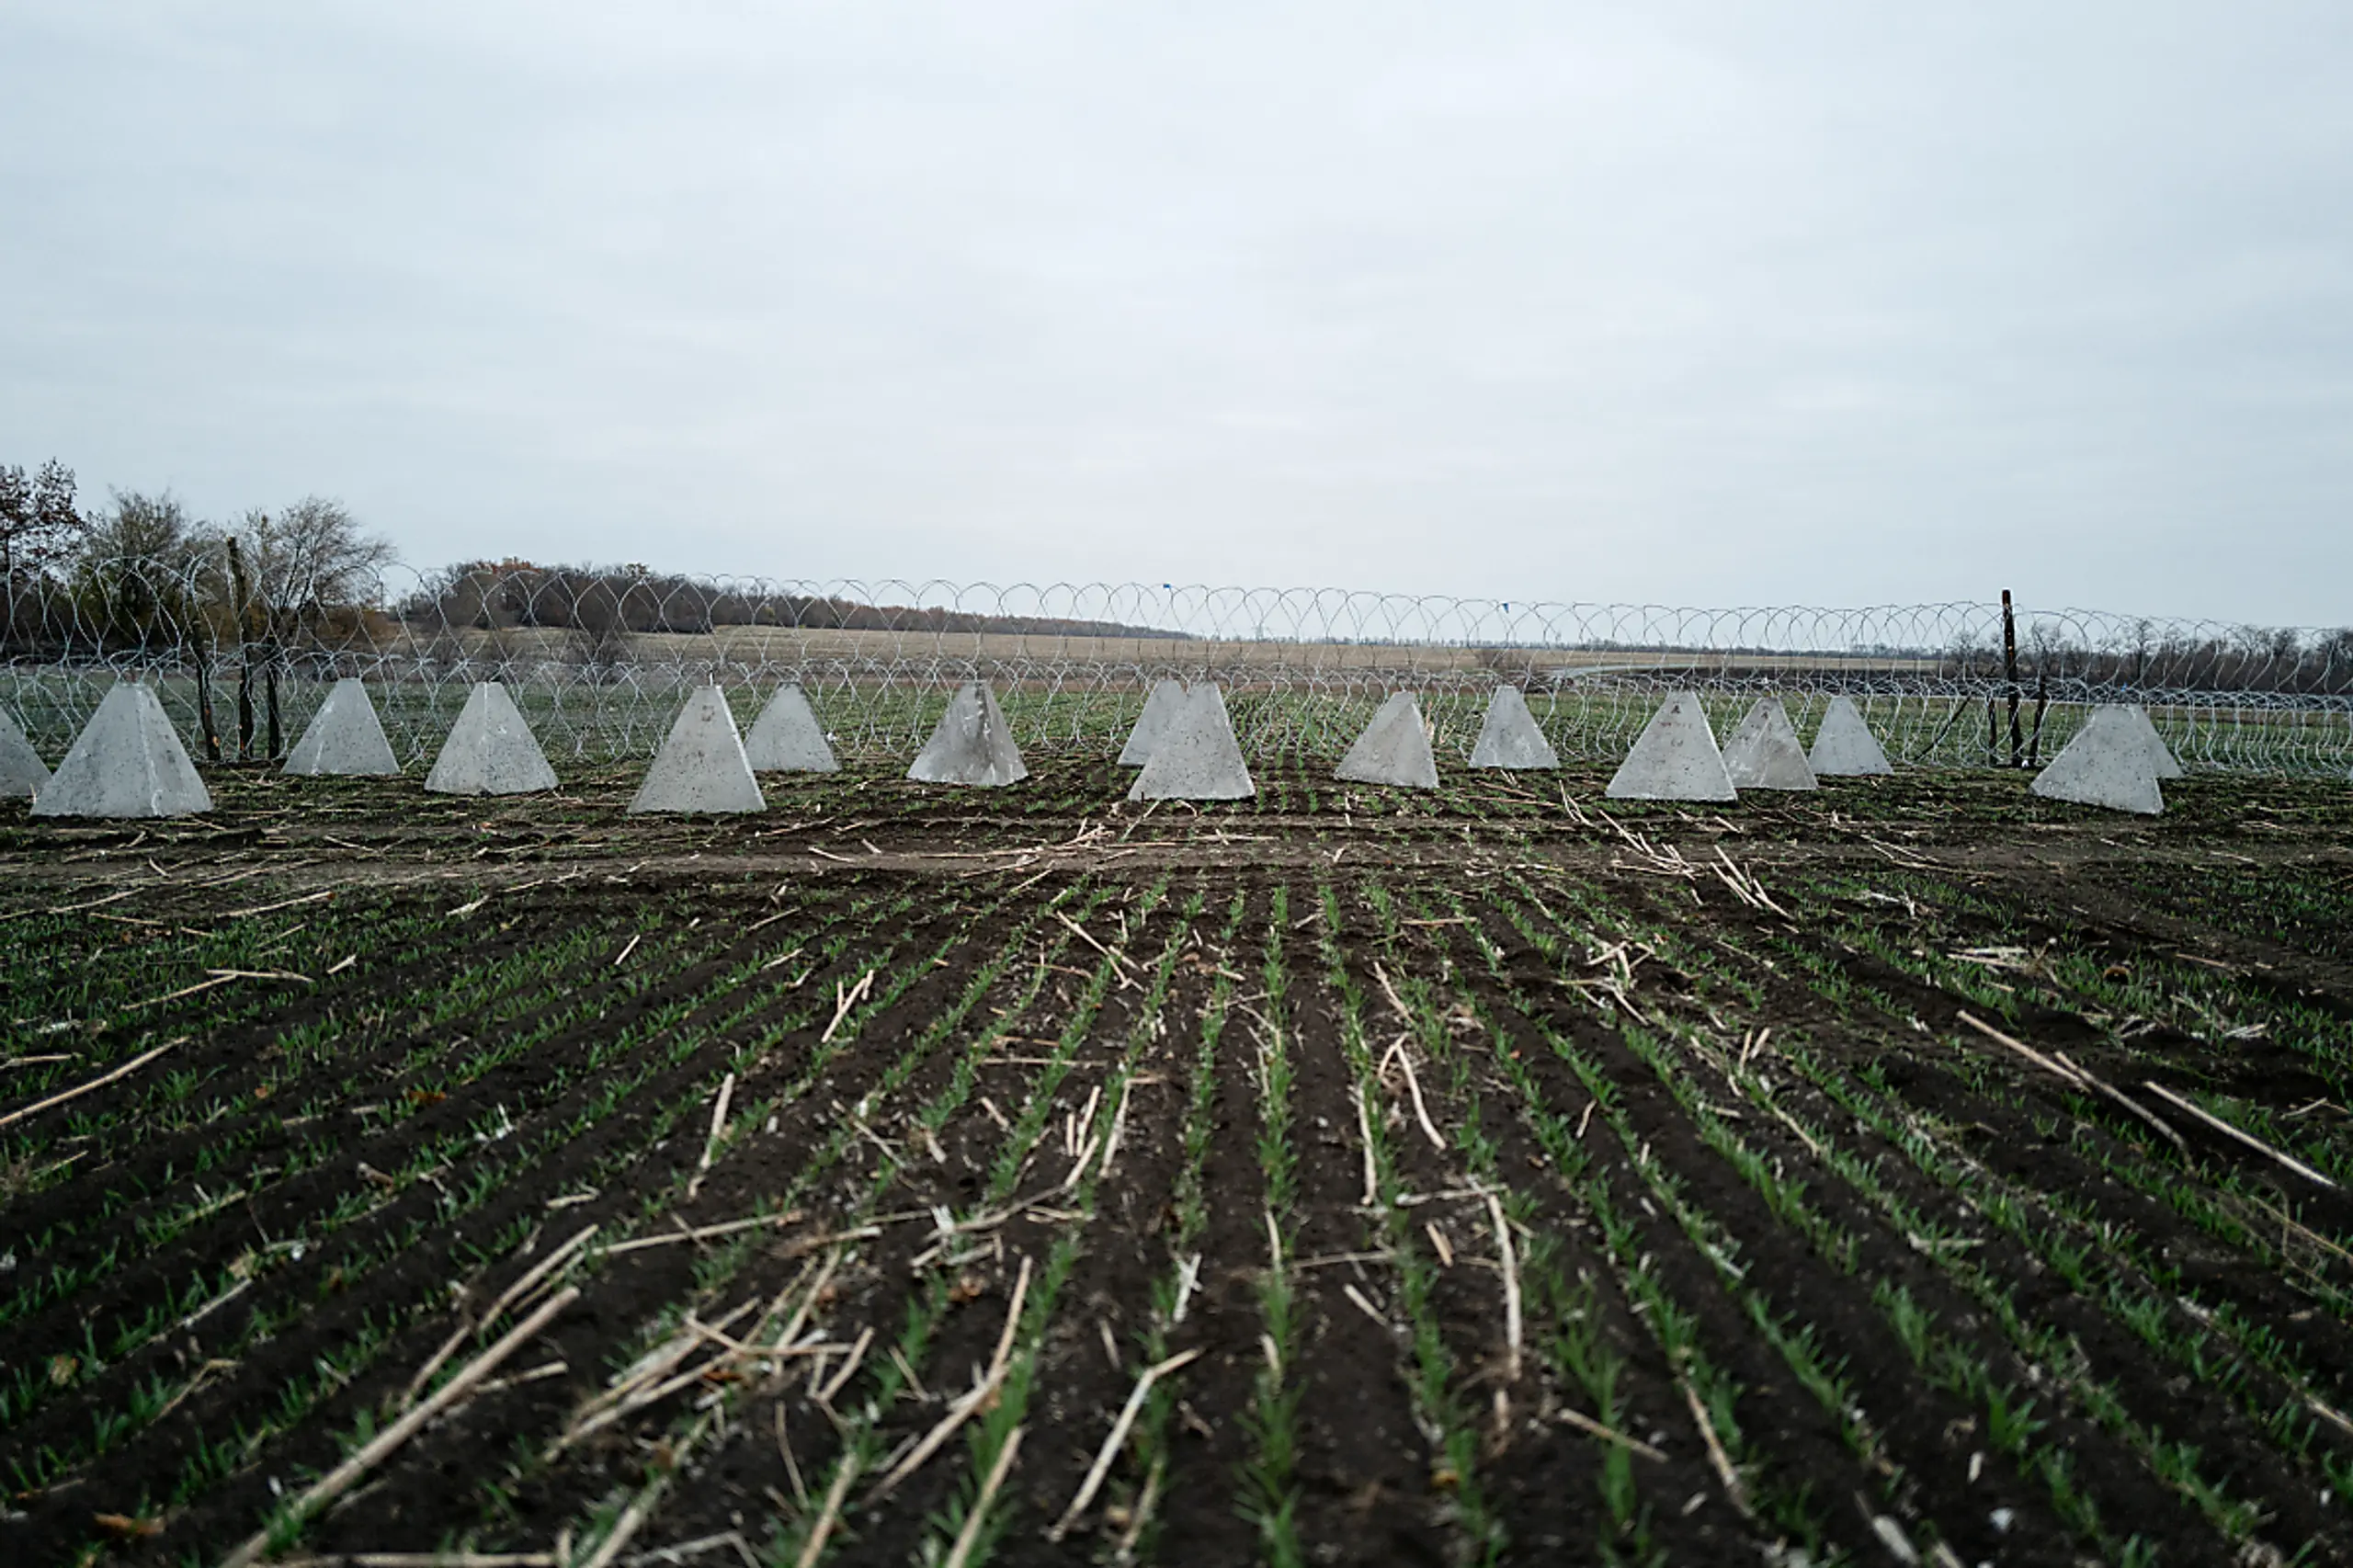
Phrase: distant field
[1494,1173]
[877,710]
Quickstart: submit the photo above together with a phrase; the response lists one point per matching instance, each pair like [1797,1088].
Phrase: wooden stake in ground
[339,1480]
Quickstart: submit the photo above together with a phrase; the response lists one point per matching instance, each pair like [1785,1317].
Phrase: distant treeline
[612,602]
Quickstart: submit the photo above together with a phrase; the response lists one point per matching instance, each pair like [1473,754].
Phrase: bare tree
[288,571]
[304,561]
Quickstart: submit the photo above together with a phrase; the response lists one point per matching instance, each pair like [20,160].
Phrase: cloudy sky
[1687,302]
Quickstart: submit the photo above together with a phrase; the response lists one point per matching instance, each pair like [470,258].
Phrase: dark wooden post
[2011,674]
[204,701]
[244,651]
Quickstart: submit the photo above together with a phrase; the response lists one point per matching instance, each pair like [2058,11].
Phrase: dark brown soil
[220,1272]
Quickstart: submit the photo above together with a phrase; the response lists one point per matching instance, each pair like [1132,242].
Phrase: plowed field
[1913,1172]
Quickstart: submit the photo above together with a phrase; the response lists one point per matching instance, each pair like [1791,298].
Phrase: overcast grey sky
[1702,303]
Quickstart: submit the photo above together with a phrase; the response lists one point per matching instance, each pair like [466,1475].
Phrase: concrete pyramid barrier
[343,739]
[787,738]
[1675,757]
[1159,710]
[489,750]
[2161,758]
[1394,749]
[1197,758]
[974,745]
[701,766]
[22,772]
[127,762]
[1765,753]
[1509,737]
[1844,747]
[2107,764]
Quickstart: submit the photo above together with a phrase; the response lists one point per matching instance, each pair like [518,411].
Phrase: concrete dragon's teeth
[1674,758]
[1394,749]
[344,739]
[1843,746]
[22,772]
[972,745]
[787,738]
[2161,762]
[127,762]
[1508,736]
[1197,758]
[701,766]
[1764,751]
[1159,709]
[489,750]
[2109,763]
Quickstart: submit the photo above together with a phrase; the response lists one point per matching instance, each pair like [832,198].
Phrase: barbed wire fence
[601,660]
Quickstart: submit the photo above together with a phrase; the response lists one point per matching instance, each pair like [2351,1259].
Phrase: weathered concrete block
[701,766]
[1508,737]
[2161,761]
[1674,758]
[489,750]
[1845,747]
[2107,764]
[787,738]
[974,745]
[1197,758]
[1764,751]
[1394,749]
[1159,709]
[127,762]
[22,772]
[344,738]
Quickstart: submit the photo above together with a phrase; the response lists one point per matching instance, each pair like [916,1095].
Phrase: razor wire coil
[601,660]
